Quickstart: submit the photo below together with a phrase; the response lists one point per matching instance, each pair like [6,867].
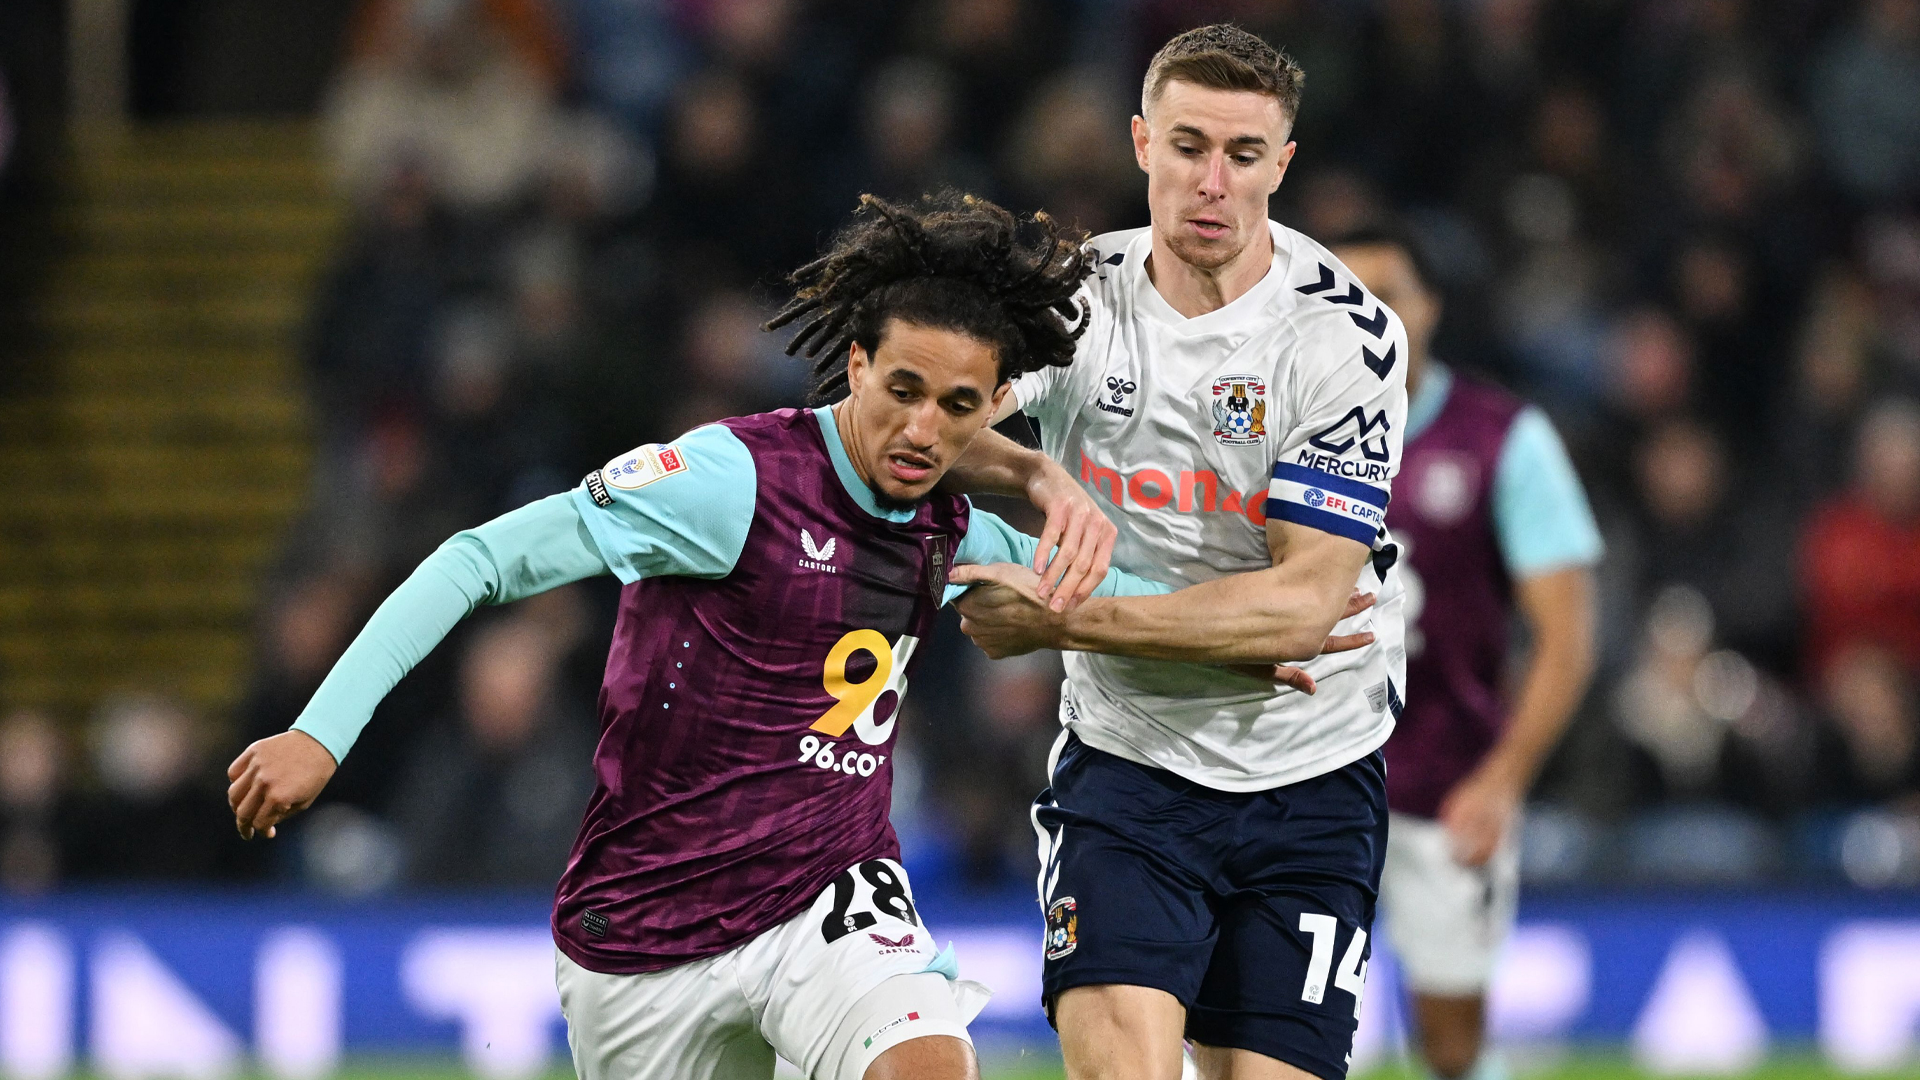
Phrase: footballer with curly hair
[735,889]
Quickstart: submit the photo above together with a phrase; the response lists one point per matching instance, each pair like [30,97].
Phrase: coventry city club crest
[1240,410]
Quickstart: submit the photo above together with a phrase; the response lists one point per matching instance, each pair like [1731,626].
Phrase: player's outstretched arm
[1558,609]
[1271,616]
[538,547]
[1076,546]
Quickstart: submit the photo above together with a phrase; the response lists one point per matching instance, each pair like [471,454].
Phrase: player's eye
[902,395]
[1245,159]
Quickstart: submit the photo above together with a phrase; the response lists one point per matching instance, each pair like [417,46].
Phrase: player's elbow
[1288,643]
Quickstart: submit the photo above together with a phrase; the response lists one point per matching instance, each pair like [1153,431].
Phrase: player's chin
[905,491]
[1207,253]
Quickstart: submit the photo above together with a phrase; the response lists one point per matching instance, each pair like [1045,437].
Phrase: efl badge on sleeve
[1063,928]
[644,465]
[1240,410]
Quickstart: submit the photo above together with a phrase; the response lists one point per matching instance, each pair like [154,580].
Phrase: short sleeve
[672,509]
[1038,393]
[1335,466]
[1035,391]
[1540,511]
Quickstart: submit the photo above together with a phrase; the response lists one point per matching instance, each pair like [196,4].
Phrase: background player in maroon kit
[1492,520]
[735,888]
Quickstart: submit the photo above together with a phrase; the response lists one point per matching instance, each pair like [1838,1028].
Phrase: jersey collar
[843,468]
[1425,405]
[1222,320]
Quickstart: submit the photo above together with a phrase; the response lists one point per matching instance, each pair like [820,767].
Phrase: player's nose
[923,426]
[1214,184]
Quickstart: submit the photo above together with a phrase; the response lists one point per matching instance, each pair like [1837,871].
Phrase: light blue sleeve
[990,539]
[676,509]
[540,546]
[1540,511]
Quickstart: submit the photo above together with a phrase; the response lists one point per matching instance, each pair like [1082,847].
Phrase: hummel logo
[818,557]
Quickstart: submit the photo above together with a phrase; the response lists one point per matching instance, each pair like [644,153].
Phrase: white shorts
[829,1006]
[1446,921]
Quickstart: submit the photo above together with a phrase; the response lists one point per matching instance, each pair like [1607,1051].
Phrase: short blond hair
[1225,57]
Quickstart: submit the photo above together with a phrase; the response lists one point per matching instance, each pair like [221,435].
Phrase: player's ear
[999,396]
[1286,157]
[857,366]
[1140,134]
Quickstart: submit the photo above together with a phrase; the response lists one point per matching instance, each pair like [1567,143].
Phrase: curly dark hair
[950,262]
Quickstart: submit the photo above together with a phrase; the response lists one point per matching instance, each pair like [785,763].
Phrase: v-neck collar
[1224,319]
[849,479]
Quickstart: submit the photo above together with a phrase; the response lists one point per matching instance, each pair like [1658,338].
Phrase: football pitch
[1589,1065]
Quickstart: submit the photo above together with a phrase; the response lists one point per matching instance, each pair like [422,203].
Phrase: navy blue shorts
[1254,909]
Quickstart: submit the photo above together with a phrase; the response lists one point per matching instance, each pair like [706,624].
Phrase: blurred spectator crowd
[1689,228]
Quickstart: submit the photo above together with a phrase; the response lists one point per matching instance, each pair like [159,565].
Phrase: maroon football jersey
[747,723]
[1442,512]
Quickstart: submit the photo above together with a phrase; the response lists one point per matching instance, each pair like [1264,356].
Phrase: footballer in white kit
[1288,401]
[1212,837]
[1214,827]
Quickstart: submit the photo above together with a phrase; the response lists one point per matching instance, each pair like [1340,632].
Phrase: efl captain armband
[1321,500]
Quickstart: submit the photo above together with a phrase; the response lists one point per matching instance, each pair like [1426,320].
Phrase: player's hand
[1082,533]
[276,778]
[1477,814]
[1003,612]
[1288,675]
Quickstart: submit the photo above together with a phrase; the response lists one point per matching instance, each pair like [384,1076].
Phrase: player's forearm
[1256,618]
[1556,677]
[532,549]
[415,618]
[996,465]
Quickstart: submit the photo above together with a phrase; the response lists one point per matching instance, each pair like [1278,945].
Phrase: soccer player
[1490,518]
[1211,844]
[734,890]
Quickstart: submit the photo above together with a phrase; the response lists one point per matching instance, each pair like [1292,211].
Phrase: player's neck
[1193,291]
[842,414]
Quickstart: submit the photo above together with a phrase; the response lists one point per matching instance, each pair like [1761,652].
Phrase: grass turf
[1591,1065]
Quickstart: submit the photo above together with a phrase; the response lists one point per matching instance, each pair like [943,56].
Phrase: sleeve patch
[642,467]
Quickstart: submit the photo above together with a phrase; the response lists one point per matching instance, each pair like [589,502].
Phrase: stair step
[114,179]
[125,421]
[208,599]
[228,320]
[132,557]
[237,365]
[226,509]
[105,471]
[128,274]
[72,672]
[213,226]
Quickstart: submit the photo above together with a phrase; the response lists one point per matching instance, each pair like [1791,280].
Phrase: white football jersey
[1289,401]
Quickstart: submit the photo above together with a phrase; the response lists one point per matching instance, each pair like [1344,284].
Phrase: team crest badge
[1240,410]
[936,568]
[1063,928]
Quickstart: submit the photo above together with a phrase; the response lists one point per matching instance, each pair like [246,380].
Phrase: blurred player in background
[735,888]
[1491,520]
[1211,843]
